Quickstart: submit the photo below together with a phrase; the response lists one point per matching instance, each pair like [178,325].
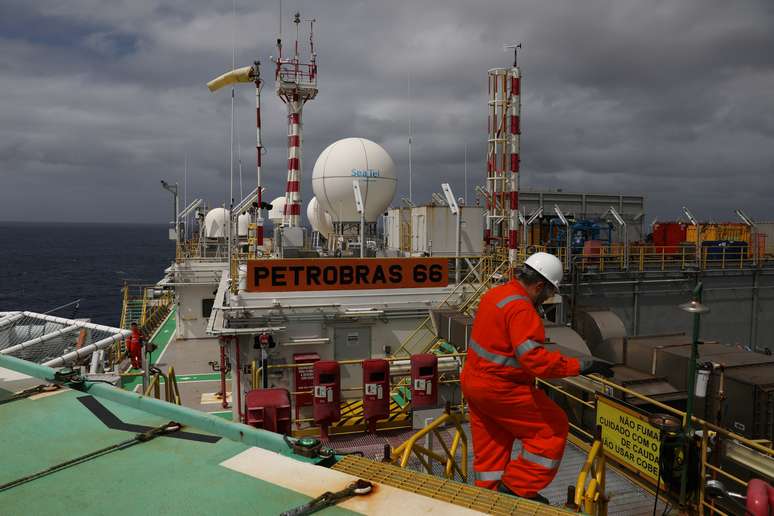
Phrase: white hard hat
[548,266]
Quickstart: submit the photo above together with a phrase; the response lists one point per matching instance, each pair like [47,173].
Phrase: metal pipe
[754,312]
[362,234]
[85,351]
[223,389]
[457,248]
[184,415]
[258,151]
[80,324]
[38,340]
[238,380]
[96,361]
[10,319]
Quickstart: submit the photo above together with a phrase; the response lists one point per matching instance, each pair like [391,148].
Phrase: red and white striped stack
[504,123]
[293,191]
[514,137]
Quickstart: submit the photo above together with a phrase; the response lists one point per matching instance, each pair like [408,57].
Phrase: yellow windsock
[231,77]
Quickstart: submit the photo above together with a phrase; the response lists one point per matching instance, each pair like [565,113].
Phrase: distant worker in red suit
[505,355]
[134,344]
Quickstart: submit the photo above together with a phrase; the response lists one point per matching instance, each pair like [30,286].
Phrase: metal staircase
[455,311]
[140,305]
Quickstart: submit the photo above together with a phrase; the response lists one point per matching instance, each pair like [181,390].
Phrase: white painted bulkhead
[337,325]
[196,284]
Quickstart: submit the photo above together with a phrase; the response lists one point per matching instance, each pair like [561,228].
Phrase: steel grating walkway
[464,495]
[626,498]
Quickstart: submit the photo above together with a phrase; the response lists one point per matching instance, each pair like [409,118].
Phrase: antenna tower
[502,165]
[295,84]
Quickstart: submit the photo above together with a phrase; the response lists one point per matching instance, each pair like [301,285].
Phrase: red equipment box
[667,236]
[424,380]
[376,391]
[269,409]
[327,394]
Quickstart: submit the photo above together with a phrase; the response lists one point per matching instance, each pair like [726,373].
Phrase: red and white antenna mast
[502,222]
[295,83]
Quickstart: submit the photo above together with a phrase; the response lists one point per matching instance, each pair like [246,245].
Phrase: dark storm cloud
[670,99]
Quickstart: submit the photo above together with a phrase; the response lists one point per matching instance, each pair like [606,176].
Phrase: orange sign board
[301,274]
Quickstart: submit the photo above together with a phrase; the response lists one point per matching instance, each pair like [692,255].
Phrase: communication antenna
[295,84]
[466,174]
[411,197]
[690,216]
[455,210]
[515,47]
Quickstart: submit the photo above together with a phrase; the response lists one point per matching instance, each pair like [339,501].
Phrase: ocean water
[45,265]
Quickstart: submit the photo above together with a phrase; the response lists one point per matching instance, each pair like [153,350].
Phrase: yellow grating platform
[352,414]
[464,495]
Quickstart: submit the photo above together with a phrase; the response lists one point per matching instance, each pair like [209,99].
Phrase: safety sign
[629,437]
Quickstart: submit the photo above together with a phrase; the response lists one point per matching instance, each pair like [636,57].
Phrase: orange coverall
[134,347]
[505,355]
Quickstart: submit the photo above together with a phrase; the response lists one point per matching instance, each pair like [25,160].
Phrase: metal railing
[403,382]
[590,497]
[470,289]
[707,430]
[427,456]
[171,389]
[151,313]
[669,258]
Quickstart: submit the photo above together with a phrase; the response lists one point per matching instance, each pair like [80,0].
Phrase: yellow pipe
[588,497]
[715,510]
[589,404]
[726,474]
[581,482]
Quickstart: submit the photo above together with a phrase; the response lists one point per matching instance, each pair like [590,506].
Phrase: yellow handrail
[402,453]
[154,387]
[172,389]
[584,497]
[592,499]
[144,310]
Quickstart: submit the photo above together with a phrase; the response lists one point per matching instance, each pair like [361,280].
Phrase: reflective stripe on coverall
[505,355]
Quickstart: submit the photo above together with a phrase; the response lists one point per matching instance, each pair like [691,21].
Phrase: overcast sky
[674,100]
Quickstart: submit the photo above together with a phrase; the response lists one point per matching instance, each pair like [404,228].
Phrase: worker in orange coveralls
[134,343]
[505,355]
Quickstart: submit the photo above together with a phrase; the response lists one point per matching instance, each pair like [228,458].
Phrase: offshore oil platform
[319,368]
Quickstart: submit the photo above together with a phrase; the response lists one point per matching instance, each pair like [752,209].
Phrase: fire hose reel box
[376,388]
[424,380]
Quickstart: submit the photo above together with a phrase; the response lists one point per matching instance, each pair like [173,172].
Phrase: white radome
[243,224]
[216,223]
[320,219]
[276,214]
[354,159]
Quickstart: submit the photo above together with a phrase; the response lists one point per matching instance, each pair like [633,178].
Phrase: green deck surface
[164,476]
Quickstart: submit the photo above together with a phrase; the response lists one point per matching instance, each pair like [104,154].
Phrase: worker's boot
[502,488]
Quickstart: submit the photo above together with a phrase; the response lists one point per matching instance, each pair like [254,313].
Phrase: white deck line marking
[312,481]
[10,375]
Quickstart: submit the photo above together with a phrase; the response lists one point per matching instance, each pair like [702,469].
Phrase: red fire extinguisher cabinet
[376,391]
[424,381]
[327,394]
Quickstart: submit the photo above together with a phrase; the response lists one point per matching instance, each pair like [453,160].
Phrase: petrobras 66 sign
[294,275]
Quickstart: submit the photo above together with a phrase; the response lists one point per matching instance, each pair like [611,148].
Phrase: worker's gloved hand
[597,366]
